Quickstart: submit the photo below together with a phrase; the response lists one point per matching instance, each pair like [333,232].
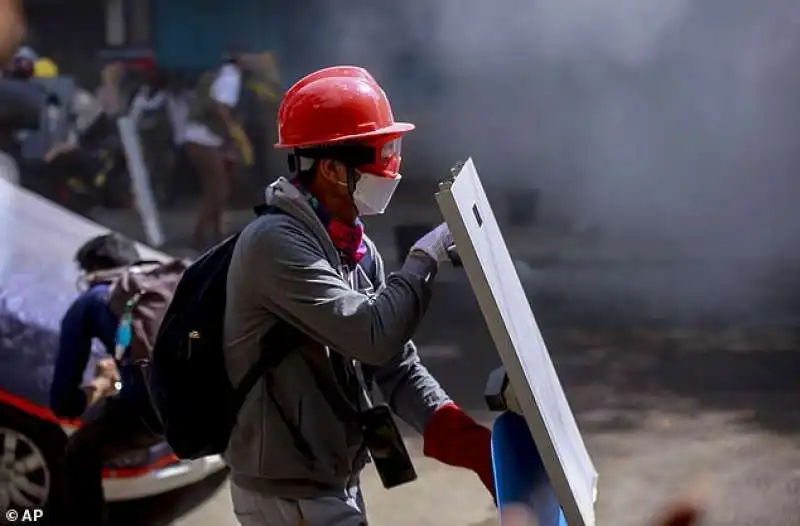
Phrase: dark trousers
[160,161]
[112,429]
[209,163]
[185,182]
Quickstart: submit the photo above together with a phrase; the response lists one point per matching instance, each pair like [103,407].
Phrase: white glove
[435,243]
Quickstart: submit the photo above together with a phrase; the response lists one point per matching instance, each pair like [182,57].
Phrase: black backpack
[189,387]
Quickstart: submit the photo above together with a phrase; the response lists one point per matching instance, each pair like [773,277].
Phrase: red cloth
[456,439]
[349,239]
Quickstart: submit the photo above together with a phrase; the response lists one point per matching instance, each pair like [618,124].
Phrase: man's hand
[435,243]
[453,437]
[12,29]
[104,383]
[98,389]
[57,149]
[107,368]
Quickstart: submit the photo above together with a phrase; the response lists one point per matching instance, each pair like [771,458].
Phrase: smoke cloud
[671,126]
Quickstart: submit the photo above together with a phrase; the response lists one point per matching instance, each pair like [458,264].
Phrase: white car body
[161,479]
[166,474]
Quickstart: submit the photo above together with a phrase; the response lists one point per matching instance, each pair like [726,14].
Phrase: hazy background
[670,126]
[648,115]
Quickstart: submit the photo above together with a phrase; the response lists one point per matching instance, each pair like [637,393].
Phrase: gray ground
[659,408]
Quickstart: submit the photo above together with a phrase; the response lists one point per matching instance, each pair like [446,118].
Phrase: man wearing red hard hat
[308,428]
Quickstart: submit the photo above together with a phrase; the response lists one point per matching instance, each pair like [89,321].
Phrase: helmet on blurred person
[23,63]
[45,68]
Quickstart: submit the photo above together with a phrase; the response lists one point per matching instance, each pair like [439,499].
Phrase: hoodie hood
[288,198]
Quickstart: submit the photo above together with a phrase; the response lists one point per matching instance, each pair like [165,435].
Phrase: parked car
[37,284]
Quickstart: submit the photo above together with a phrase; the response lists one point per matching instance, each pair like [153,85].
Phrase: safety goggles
[379,156]
[386,157]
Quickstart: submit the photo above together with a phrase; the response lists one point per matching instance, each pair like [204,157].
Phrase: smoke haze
[667,124]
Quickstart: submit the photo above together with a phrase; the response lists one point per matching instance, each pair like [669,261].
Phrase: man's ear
[332,171]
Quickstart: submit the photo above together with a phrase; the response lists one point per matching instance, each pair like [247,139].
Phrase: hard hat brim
[398,128]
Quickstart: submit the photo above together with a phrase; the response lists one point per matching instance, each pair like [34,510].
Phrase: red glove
[454,438]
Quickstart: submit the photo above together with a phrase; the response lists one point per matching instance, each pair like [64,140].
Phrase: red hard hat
[336,105]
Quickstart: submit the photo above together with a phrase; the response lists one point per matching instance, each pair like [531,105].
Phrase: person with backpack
[114,405]
[309,423]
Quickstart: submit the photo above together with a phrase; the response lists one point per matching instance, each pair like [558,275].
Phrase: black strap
[276,345]
[337,395]
[263,209]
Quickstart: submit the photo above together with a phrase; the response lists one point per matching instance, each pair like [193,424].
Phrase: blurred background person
[209,141]
[22,64]
[108,92]
[111,426]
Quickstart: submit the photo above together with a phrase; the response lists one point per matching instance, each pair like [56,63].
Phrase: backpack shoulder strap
[264,209]
[275,345]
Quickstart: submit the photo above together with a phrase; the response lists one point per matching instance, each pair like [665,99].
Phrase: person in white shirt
[225,90]
[207,140]
[178,110]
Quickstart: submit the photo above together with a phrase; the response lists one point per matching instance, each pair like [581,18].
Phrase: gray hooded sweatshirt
[286,267]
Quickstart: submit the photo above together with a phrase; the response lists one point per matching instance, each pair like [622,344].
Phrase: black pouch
[142,372]
[386,446]
[138,397]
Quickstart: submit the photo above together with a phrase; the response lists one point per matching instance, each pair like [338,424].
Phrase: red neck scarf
[348,239]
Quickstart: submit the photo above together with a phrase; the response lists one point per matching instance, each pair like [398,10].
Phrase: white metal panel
[519,342]
[140,177]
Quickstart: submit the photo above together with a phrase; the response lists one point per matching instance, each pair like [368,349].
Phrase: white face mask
[373,193]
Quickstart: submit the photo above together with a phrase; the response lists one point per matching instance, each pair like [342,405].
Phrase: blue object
[124,334]
[519,474]
[88,317]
